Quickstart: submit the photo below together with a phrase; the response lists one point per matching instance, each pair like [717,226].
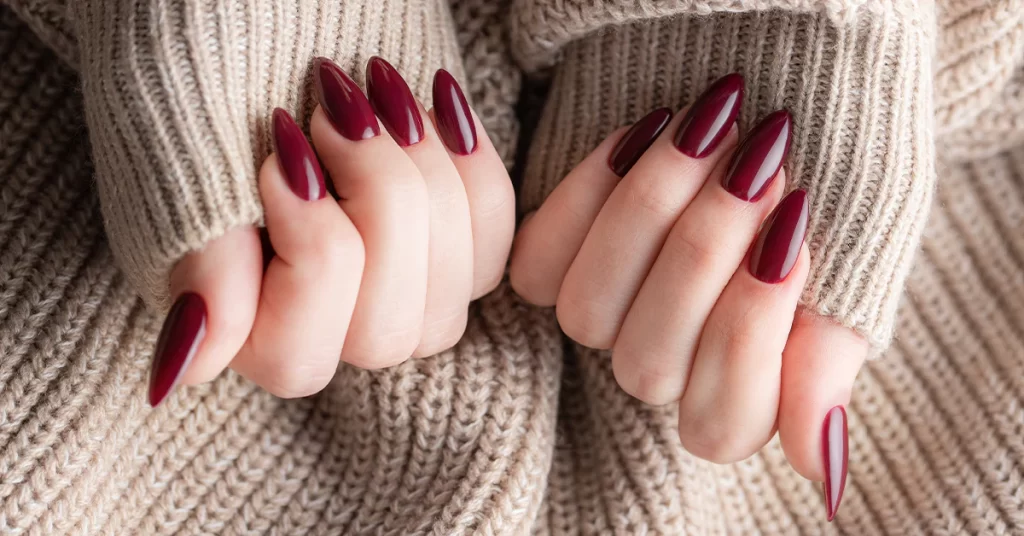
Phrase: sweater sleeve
[178,96]
[855,75]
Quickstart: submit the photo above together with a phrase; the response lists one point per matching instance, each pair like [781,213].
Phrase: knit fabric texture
[130,131]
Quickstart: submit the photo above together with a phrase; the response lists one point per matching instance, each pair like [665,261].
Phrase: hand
[662,246]
[423,226]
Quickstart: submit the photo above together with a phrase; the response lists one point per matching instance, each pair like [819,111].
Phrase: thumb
[819,366]
[215,291]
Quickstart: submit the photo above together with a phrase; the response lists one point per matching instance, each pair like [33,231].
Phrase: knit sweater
[130,132]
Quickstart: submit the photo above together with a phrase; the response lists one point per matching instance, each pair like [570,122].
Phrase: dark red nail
[710,118]
[759,158]
[836,450]
[637,140]
[299,163]
[778,246]
[183,332]
[393,102]
[454,120]
[343,101]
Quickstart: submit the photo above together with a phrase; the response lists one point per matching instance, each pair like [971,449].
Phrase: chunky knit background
[512,432]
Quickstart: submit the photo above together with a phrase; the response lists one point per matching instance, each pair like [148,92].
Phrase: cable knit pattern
[179,92]
[514,431]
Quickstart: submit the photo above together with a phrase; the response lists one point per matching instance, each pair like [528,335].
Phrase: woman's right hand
[423,226]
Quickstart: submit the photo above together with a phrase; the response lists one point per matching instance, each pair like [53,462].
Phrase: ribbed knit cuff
[179,94]
[860,95]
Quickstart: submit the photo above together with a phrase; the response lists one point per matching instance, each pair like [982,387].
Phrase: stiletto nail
[393,102]
[710,117]
[343,102]
[180,338]
[298,162]
[759,158]
[836,450]
[454,120]
[637,140]
[778,246]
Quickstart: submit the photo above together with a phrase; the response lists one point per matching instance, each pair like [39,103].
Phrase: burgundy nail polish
[393,102]
[637,140]
[710,118]
[299,164]
[778,246]
[760,157]
[180,338]
[836,450]
[343,102]
[454,120]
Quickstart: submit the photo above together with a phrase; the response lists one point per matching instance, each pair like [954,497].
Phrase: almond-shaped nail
[182,334]
[711,116]
[454,120]
[393,101]
[298,162]
[759,158]
[836,451]
[778,246]
[343,102]
[635,142]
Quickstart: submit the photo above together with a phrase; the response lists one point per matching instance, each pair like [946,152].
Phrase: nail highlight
[710,117]
[393,101]
[635,142]
[778,246]
[454,120]
[759,158]
[182,334]
[299,163]
[343,102]
[836,450]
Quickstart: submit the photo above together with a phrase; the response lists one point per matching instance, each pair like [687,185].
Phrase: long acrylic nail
[778,246]
[759,158]
[637,140]
[393,102]
[836,450]
[454,120]
[180,338]
[298,162]
[710,117]
[343,101]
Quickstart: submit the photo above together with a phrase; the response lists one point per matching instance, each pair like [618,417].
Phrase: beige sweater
[129,135]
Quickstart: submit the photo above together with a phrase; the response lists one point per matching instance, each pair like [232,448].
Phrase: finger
[216,291]
[655,347]
[819,366]
[382,192]
[541,257]
[450,253]
[488,190]
[629,231]
[730,403]
[311,284]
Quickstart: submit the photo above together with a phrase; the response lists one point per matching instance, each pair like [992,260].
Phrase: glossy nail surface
[835,449]
[778,246]
[183,332]
[759,158]
[393,102]
[454,120]
[298,162]
[710,117]
[637,140]
[343,102]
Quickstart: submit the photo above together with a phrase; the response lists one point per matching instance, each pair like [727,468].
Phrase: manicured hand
[423,226]
[674,247]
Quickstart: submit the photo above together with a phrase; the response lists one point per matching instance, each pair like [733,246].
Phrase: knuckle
[381,351]
[297,381]
[654,197]
[693,249]
[582,321]
[712,440]
[494,201]
[486,284]
[655,386]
